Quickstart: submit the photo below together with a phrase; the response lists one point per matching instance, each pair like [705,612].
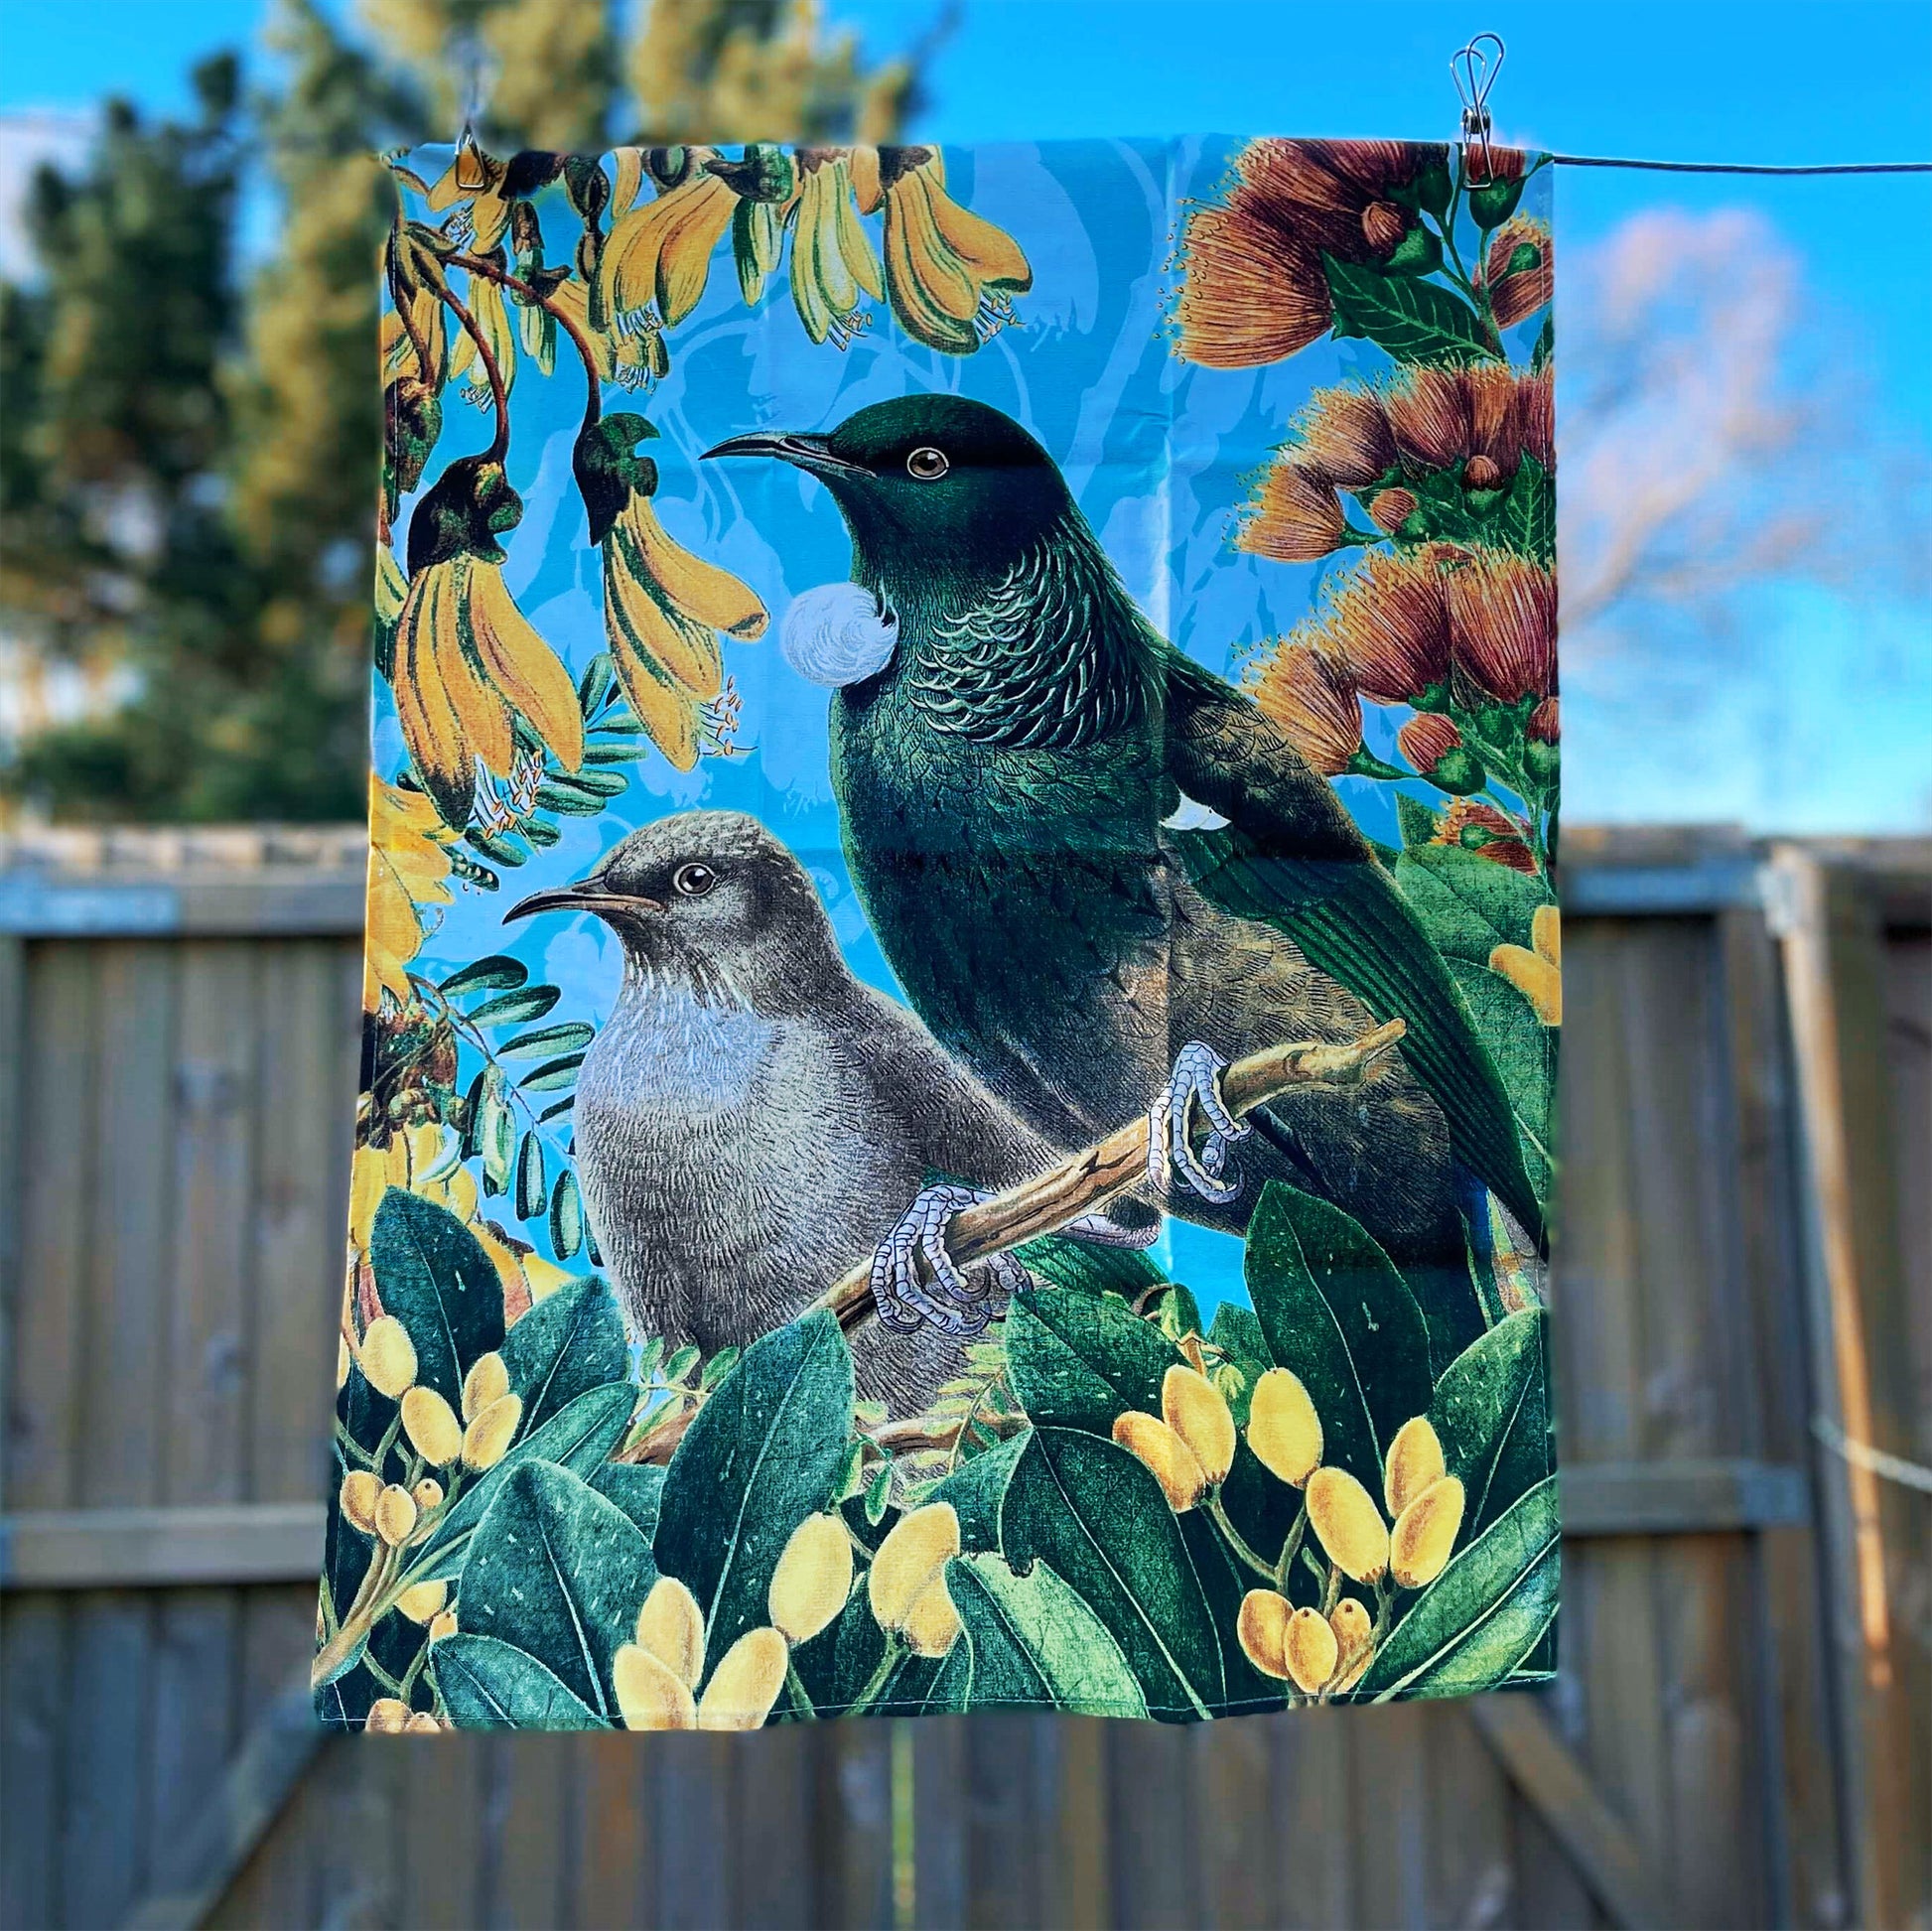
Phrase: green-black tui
[1089,860]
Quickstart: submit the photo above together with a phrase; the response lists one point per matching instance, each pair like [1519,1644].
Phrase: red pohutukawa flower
[1426,739]
[1482,828]
[1254,289]
[1502,620]
[1388,627]
[1541,728]
[1439,417]
[1519,270]
[1344,437]
[1295,518]
[1305,691]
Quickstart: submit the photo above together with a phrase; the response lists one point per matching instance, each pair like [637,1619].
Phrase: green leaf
[1480,1619]
[638,1491]
[558,1072]
[1413,321]
[879,1494]
[680,1364]
[1418,821]
[579,1439]
[595,685]
[1526,519]
[1546,342]
[1237,1334]
[1098,1517]
[1079,1265]
[1335,1311]
[594,786]
[1469,904]
[1524,1052]
[516,1007]
[719,1366]
[488,1685]
[977,1490]
[1491,1413]
[498,973]
[566,1038]
[565,1216]
[1177,1314]
[566,1345]
[433,1276]
[561,1106]
[573,804]
[497,1131]
[1079,1359]
[532,1189]
[560,1572]
[1032,1644]
[599,753]
[764,1451]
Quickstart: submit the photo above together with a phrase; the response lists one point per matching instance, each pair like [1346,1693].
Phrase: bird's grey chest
[665,1055]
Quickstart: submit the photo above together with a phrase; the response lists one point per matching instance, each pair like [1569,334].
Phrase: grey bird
[752,1117]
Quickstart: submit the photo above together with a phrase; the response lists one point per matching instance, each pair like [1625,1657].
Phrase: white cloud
[27,138]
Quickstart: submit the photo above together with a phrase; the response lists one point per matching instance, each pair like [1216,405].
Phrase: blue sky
[1827,706]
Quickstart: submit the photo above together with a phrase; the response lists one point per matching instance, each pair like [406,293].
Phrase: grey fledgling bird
[751,1118]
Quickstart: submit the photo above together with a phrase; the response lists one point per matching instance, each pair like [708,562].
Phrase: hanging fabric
[963,971]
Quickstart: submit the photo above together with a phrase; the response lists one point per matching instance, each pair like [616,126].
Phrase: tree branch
[1051,1200]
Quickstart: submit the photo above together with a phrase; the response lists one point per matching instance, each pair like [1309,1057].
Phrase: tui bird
[1100,872]
[751,1116]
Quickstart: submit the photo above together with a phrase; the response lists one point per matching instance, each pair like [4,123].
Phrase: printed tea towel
[962,979]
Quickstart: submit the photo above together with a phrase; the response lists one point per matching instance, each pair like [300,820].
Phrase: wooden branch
[1117,1163]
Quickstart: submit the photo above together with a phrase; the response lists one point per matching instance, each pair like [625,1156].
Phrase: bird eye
[927,464]
[692,880]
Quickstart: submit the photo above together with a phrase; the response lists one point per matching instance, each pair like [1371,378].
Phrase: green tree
[189,457]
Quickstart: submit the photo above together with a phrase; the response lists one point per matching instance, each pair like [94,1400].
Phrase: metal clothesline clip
[1474,73]
[466,60]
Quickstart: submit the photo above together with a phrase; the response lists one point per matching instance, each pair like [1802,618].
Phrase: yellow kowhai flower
[473,182]
[661,252]
[664,609]
[491,315]
[408,866]
[1536,970]
[832,258]
[950,273]
[468,663]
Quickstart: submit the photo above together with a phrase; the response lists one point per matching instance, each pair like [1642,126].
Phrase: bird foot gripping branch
[975,1227]
[1194,1083]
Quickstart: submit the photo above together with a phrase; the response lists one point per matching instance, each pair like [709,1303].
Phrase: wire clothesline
[1746,167]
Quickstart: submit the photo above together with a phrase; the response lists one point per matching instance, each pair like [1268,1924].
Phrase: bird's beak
[804,452]
[584,896]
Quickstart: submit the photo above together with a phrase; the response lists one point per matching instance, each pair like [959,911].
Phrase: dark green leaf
[566,1217]
[977,1490]
[1337,1313]
[764,1453]
[719,1366]
[434,1277]
[557,1072]
[560,1572]
[1079,1359]
[567,1036]
[1492,1414]
[540,832]
[1094,1514]
[638,1491]
[1546,342]
[515,1008]
[1524,1052]
[1470,904]
[579,1439]
[1224,1581]
[1483,1617]
[532,1189]
[879,1493]
[498,973]
[1418,821]
[595,785]
[1413,321]
[1032,1642]
[561,1105]
[573,804]
[566,1345]
[1089,1268]
[499,846]
[488,1685]
[1526,519]
[496,1130]
[594,684]
[597,754]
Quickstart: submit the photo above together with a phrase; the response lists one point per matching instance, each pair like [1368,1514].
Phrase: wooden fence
[1743,1731]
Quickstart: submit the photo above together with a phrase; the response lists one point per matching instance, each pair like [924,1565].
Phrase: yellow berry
[1262,1629]
[1194,1409]
[933,1623]
[650,1696]
[671,1626]
[342,1362]
[1284,1430]
[1171,1462]
[388,1357]
[422,1723]
[812,1579]
[1343,1515]
[1311,1649]
[487,1381]
[387,1716]
[357,1500]
[431,1427]
[428,1493]
[488,1438]
[395,1514]
[1415,1461]
[746,1683]
[917,1549]
[1424,1533]
[423,1602]
[441,1624]
[1352,1627]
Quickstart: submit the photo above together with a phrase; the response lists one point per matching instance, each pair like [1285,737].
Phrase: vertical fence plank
[693,1800]
[855,1823]
[1314,1817]
[33,1732]
[612,1839]
[770,1838]
[1152,1829]
[1234,1772]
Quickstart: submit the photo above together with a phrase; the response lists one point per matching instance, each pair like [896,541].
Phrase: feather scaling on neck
[1050,654]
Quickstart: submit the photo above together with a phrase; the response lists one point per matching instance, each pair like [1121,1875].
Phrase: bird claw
[953,1301]
[1194,1081]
